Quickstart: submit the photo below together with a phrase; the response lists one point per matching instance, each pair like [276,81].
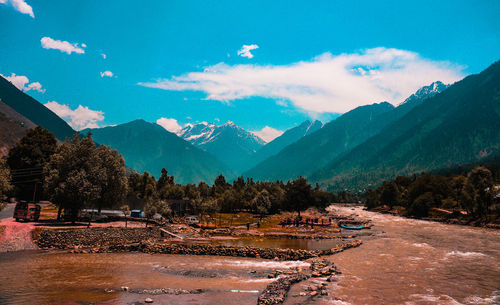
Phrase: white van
[191,220]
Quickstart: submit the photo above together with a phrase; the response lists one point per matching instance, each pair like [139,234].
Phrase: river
[403,261]
[411,261]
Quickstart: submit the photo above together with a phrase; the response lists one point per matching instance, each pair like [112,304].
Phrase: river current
[402,261]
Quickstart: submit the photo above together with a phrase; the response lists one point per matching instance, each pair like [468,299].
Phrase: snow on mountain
[228,142]
[204,133]
[426,92]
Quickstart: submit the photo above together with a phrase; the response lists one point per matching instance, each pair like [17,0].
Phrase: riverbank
[442,216]
[149,240]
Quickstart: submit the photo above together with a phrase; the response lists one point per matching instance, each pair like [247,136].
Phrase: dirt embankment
[94,237]
[149,240]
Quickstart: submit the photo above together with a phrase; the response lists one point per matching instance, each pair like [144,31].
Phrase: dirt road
[16,235]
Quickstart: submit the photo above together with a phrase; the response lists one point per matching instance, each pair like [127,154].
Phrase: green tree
[171,191]
[26,160]
[210,208]
[164,209]
[372,199]
[33,150]
[457,183]
[141,186]
[420,206]
[220,184]
[126,212]
[111,177]
[480,188]
[262,203]
[164,179]
[150,209]
[390,194]
[204,189]
[5,185]
[299,194]
[72,175]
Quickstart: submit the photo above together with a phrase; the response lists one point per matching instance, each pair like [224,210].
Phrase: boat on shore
[352,227]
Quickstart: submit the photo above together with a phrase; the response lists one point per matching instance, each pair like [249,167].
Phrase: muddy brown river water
[404,262]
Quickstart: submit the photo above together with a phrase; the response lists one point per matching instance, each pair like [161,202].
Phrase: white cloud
[20,6]
[63,46]
[106,73]
[35,86]
[80,118]
[245,50]
[103,55]
[268,133]
[327,83]
[169,124]
[20,81]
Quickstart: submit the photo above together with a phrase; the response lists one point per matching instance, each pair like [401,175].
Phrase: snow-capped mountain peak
[229,142]
[426,92]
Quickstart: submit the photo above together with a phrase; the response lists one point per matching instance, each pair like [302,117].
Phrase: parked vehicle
[192,220]
[136,213]
[27,211]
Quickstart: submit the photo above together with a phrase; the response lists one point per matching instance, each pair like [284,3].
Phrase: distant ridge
[31,109]
[290,136]
[314,151]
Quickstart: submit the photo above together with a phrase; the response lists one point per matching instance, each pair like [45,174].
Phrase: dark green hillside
[149,147]
[290,136]
[30,108]
[459,125]
[318,149]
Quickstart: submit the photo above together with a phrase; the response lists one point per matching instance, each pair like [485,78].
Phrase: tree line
[78,174]
[474,192]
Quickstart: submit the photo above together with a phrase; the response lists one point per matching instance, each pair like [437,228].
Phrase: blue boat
[352,227]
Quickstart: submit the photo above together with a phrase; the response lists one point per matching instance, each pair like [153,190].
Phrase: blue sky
[179,60]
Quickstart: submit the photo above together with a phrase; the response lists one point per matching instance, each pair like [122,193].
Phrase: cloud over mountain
[169,124]
[268,133]
[327,83]
[22,83]
[79,118]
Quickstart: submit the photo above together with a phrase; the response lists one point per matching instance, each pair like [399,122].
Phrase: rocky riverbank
[94,237]
[222,250]
[276,292]
[306,235]
[148,240]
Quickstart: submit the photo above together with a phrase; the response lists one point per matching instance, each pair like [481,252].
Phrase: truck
[27,211]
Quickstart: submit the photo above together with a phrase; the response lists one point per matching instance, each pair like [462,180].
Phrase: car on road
[27,211]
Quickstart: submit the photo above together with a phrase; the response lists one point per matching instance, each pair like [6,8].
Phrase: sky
[265,65]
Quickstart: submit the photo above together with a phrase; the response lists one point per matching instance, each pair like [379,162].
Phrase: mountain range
[312,153]
[439,126]
[149,147]
[459,125]
[231,144]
